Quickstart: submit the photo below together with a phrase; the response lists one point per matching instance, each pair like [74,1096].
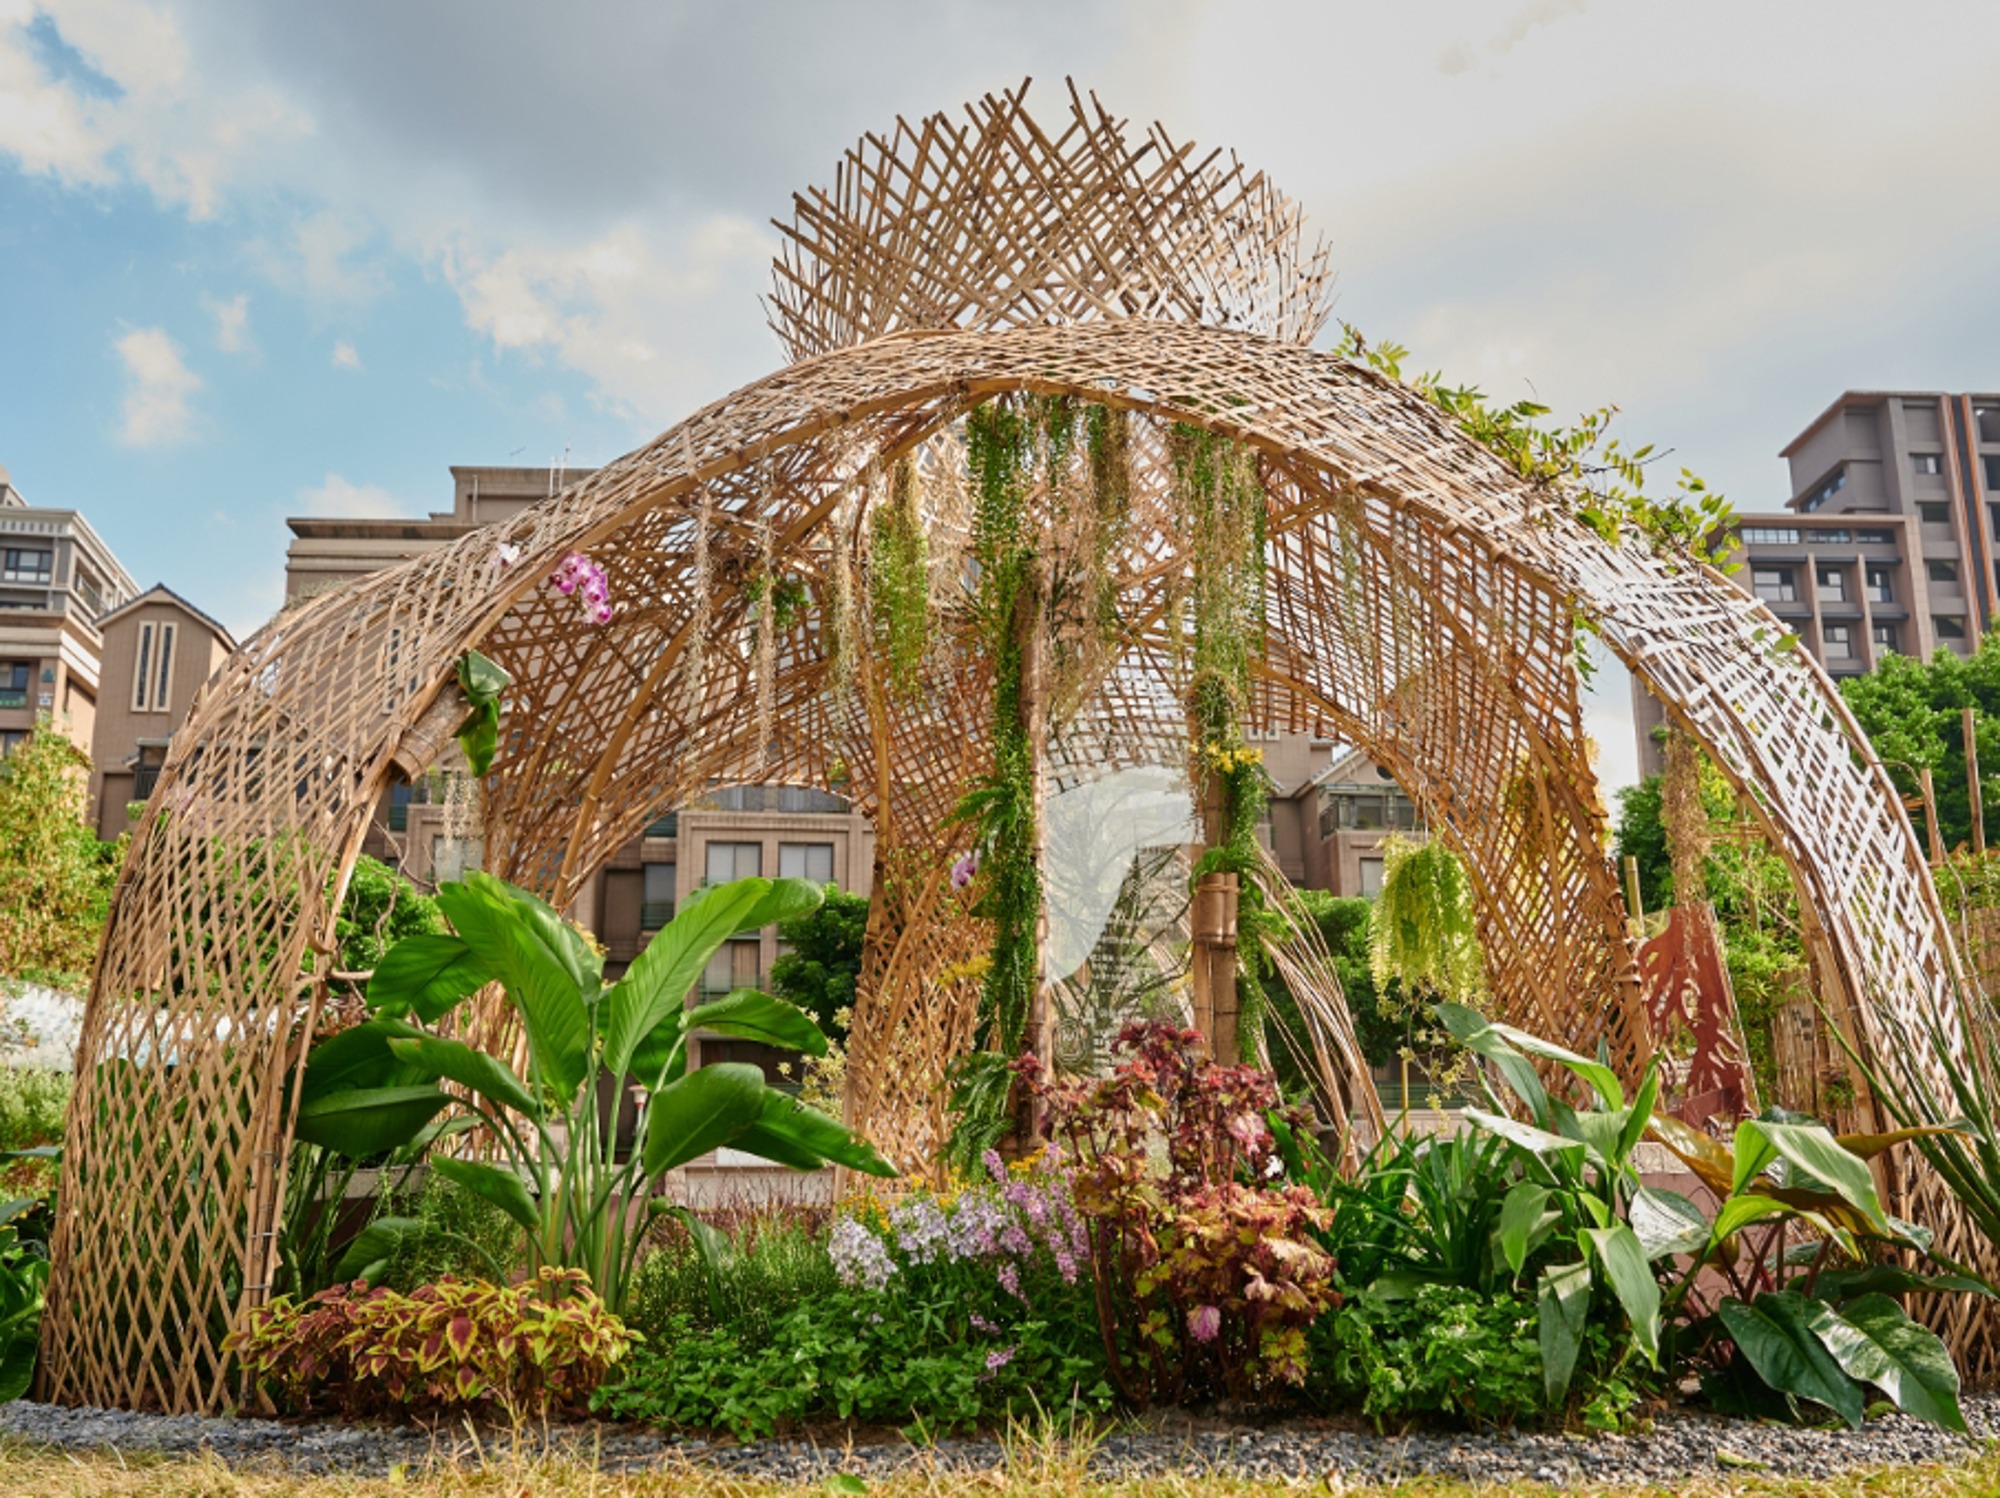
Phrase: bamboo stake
[1969,728]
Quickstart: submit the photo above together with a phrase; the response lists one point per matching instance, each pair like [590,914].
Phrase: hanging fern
[1422,934]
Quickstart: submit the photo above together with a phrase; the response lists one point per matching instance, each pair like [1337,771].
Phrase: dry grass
[1035,1471]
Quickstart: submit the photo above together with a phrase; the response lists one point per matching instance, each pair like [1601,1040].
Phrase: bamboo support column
[1031,634]
[1217,896]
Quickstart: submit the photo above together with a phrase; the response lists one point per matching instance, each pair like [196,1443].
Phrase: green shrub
[537,1347]
[772,1265]
[456,1235]
[32,1100]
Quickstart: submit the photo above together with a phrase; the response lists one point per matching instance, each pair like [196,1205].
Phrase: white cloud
[158,389]
[346,356]
[44,125]
[340,498]
[1461,57]
[232,324]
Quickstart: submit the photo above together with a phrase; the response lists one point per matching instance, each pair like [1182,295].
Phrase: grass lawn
[1032,1474]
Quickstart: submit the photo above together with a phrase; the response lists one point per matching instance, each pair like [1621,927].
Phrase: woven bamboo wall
[1419,603]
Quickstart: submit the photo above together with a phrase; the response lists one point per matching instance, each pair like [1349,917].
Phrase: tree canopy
[819,972]
[55,873]
[1910,710]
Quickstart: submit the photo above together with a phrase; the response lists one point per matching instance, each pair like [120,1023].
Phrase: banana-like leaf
[369,1121]
[1874,1341]
[790,1133]
[1711,1162]
[455,1061]
[542,988]
[747,1014]
[647,1007]
[1525,1223]
[701,1111]
[427,976]
[1868,1146]
[1625,1266]
[1470,1029]
[1739,1212]
[1537,1141]
[560,938]
[495,1184]
[1562,1301]
[1778,1337]
[358,1057]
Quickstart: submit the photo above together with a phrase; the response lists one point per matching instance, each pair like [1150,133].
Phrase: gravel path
[1680,1445]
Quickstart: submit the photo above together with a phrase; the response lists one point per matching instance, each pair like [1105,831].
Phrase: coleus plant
[376,1087]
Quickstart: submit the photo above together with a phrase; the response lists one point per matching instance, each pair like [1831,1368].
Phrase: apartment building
[1327,830]
[157,651]
[57,578]
[1890,543]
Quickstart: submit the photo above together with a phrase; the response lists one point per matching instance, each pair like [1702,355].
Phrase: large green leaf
[455,1061]
[1708,1159]
[560,938]
[1836,1285]
[1525,1222]
[1641,1112]
[369,1255]
[358,1056]
[1537,1141]
[368,1121]
[701,1111]
[427,976]
[747,1014]
[1666,1223]
[1874,1341]
[1631,1277]
[1601,1078]
[1562,1303]
[647,1006]
[790,1133]
[1811,1151]
[1739,1212]
[1776,1335]
[1469,1028]
[543,990]
[496,1184]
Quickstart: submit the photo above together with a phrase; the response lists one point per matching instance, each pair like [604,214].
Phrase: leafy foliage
[483,683]
[1911,712]
[375,1088]
[1422,936]
[535,1348]
[55,875]
[1206,1278]
[380,908]
[819,971]
[899,587]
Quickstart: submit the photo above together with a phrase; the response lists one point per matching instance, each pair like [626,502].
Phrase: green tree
[55,873]
[380,909]
[819,972]
[1910,710]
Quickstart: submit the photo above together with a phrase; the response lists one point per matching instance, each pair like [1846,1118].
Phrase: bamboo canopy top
[1420,600]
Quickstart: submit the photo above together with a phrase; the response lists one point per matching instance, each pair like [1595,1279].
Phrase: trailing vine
[899,579]
[1222,505]
[1002,442]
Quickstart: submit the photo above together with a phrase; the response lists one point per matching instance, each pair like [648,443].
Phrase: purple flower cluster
[1002,1225]
[577,574]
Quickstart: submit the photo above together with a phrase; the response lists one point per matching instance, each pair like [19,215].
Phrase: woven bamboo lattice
[1420,602]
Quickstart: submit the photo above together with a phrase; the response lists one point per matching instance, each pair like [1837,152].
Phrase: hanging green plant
[1108,444]
[899,579]
[1423,935]
[482,682]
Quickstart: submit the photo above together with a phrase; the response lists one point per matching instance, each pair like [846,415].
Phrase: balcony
[655,915]
[11,698]
[666,826]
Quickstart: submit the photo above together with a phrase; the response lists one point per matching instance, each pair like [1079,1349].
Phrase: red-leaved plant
[1206,1276]
[531,1348]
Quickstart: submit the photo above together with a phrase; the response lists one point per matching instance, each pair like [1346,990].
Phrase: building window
[1988,418]
[1774,584]
[1942,572]
[1927,462]
[1371,877]
[1753,535]
[1832,584]
[153,670]
[14,677]
[1833,484]
[727,861]
[11,739]
[1881,585]
[1885,637]
[733,966]
[144,778]
[656,906]
[25,565]
[1932,513]
[1992,466]
[665,826]
[1949,626]
[1837,642]
[812,861]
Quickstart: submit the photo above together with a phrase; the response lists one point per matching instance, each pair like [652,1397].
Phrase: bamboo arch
[1421,601]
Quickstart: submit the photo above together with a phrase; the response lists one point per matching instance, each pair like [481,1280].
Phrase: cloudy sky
[264,259]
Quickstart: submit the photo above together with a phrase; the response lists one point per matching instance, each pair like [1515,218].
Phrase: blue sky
[257,260]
